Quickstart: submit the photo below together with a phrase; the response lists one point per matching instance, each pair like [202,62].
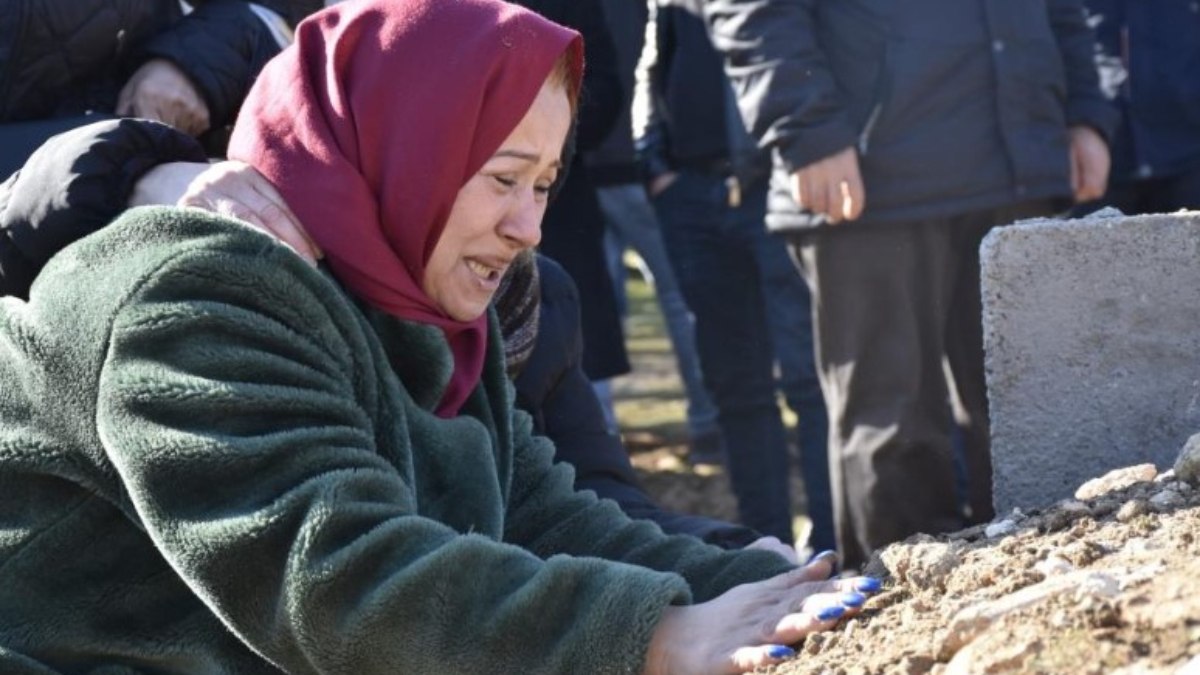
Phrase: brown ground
[1104,584]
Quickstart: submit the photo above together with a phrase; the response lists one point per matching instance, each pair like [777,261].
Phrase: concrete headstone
[1092,340]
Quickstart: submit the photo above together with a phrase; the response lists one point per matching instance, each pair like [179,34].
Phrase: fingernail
[868,584]
[852,599]
[831,556]
[780,652]
[831,613]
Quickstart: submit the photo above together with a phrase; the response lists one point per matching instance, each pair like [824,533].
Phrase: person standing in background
[631,222]
[573,231]
[1149,57]
[901,133]
[64,63]
[708,183]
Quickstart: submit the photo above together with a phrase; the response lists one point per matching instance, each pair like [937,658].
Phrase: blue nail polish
[831,613]
[868,584]
[780,652]
[852,599]
[830,555]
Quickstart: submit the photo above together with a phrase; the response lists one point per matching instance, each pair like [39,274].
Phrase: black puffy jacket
[953,105]
[79,181]
[62,58]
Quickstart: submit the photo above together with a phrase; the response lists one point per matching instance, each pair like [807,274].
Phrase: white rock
[1053,566]
[1117,479]
[999,529]
[1098,584]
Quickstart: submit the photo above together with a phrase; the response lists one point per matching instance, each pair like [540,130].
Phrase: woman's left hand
[238,190]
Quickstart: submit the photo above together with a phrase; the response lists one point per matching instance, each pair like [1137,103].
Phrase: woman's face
[498,213]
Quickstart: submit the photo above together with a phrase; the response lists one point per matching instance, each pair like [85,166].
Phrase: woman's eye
[543,189]
[505,181]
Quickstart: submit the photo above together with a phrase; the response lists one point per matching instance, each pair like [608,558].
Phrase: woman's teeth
[482,270]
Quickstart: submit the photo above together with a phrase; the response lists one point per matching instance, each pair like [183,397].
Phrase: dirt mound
[1107,583]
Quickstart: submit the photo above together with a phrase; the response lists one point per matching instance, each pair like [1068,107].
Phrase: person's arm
[237,405]
[603,100]
[1086,104]
[75,184]
[789,99]
[1091,118]
[786,93]
[554,389]
[220,47]
[650,132]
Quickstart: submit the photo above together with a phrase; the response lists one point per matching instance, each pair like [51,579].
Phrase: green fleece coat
[213,461]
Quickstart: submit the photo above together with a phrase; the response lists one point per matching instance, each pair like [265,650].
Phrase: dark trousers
[1156,195]
[713,252]
[899,342]
[789,315]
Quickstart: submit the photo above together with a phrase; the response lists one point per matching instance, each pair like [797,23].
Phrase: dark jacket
[1149,60]
[685,115]
[953,105]
[573,229]
[612,162]
[216,461]
[554,391]
[75,184]
[64,58]
[79,182]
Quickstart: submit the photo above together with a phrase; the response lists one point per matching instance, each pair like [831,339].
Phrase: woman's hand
[237,190]
[751,625]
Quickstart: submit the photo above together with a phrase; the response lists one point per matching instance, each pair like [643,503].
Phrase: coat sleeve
[603,101]
[221,46]
[75,184]
[238,405]
[786,93]
[1086,103]
[572,419]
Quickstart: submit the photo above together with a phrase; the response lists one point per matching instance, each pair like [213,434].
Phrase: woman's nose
[523,226]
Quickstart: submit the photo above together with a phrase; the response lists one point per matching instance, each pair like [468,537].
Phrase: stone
[1166,500]
[1187,465]
[924,565]
[1000,529]
[1132,509]
[974,620]
[1091,331]
[1117,479]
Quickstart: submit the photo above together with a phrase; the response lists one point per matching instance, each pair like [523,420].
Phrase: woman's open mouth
[489,275]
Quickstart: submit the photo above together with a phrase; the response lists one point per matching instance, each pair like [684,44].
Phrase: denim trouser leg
[630,215]
[789,314]
[713,254]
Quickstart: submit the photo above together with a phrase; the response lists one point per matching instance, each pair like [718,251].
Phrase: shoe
[708,448]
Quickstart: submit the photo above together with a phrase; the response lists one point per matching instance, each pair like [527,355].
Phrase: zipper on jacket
[864,138]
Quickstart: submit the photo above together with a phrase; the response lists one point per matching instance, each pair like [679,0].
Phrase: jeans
[632,222]
[714,251]
[789,314]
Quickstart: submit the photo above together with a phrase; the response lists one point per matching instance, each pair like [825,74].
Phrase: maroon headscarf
[375,118]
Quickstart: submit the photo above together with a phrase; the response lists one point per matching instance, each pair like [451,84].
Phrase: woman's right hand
[751,625]
[238,190]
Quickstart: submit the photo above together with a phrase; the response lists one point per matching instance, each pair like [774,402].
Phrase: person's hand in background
[232,189]
[1090,163]
[831,187]
[238,190]
[160,91]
